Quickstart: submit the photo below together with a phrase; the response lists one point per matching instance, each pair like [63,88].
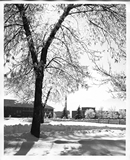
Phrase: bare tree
[117,81]
[99,113]
[112,113]
[122,113]
[39,62]
[107,26]
[29,54]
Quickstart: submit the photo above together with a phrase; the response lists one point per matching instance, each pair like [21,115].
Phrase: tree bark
[37,111]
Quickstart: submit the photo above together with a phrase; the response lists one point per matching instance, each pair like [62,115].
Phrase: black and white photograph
[65,77]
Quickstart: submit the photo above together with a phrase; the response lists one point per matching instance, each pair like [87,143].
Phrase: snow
[84,124]
[63,138]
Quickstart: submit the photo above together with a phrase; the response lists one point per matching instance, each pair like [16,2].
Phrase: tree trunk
[35,128]
[38,67]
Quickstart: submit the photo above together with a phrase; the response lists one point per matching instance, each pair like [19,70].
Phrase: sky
[96,96]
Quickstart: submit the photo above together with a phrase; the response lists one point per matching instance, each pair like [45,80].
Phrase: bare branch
[28,32]
[54,31]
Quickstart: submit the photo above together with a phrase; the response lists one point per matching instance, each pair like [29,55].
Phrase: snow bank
[16,121]
[49,128]
[22,125]
[17,129]
[86,124]
[56,141]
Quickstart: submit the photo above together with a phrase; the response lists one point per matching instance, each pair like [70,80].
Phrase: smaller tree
[50,115]
[54,115]
[105,115]
[99,113]
[112,113]
[122,113]
[79,114]
[90,114]
[64,113]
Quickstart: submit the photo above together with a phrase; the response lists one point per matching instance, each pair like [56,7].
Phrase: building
[15,109]
[58,114]
[74,114]
[83,109]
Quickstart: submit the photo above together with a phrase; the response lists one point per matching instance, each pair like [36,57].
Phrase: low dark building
[74,114]
[58,114]
[15,109]
[83,109]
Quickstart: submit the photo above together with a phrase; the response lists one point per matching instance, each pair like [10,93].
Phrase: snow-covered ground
[63,138]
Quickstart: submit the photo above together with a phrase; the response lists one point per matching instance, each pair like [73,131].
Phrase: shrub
[99,113]
[89,114]
[79,114]
[112,114]
[50,115]
[105,115]
[122,114]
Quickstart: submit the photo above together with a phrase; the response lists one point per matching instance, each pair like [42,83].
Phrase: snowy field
[63,138]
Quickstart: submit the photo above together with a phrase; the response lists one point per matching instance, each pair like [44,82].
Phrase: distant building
[74,114]
[15,109]
[58,114]
[83,109]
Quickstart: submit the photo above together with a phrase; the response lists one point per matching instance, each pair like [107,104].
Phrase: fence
[107,121]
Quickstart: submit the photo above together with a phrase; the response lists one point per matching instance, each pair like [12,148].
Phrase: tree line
[97,114]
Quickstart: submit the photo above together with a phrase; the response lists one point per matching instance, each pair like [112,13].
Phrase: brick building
[15,109]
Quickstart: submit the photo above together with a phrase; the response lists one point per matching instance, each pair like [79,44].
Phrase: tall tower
[66,102]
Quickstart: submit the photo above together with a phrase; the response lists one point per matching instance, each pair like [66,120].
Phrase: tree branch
[54,31]
[10,25]
[28,33]
[47,97]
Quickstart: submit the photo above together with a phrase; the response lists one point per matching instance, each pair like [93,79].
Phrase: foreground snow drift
[64,139]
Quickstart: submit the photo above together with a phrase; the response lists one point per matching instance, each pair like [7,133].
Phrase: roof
[59,113]
[84,108]
[14,103]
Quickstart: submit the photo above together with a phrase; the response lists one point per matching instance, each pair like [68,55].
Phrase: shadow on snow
[95,147]
[67,141]
[27,141]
